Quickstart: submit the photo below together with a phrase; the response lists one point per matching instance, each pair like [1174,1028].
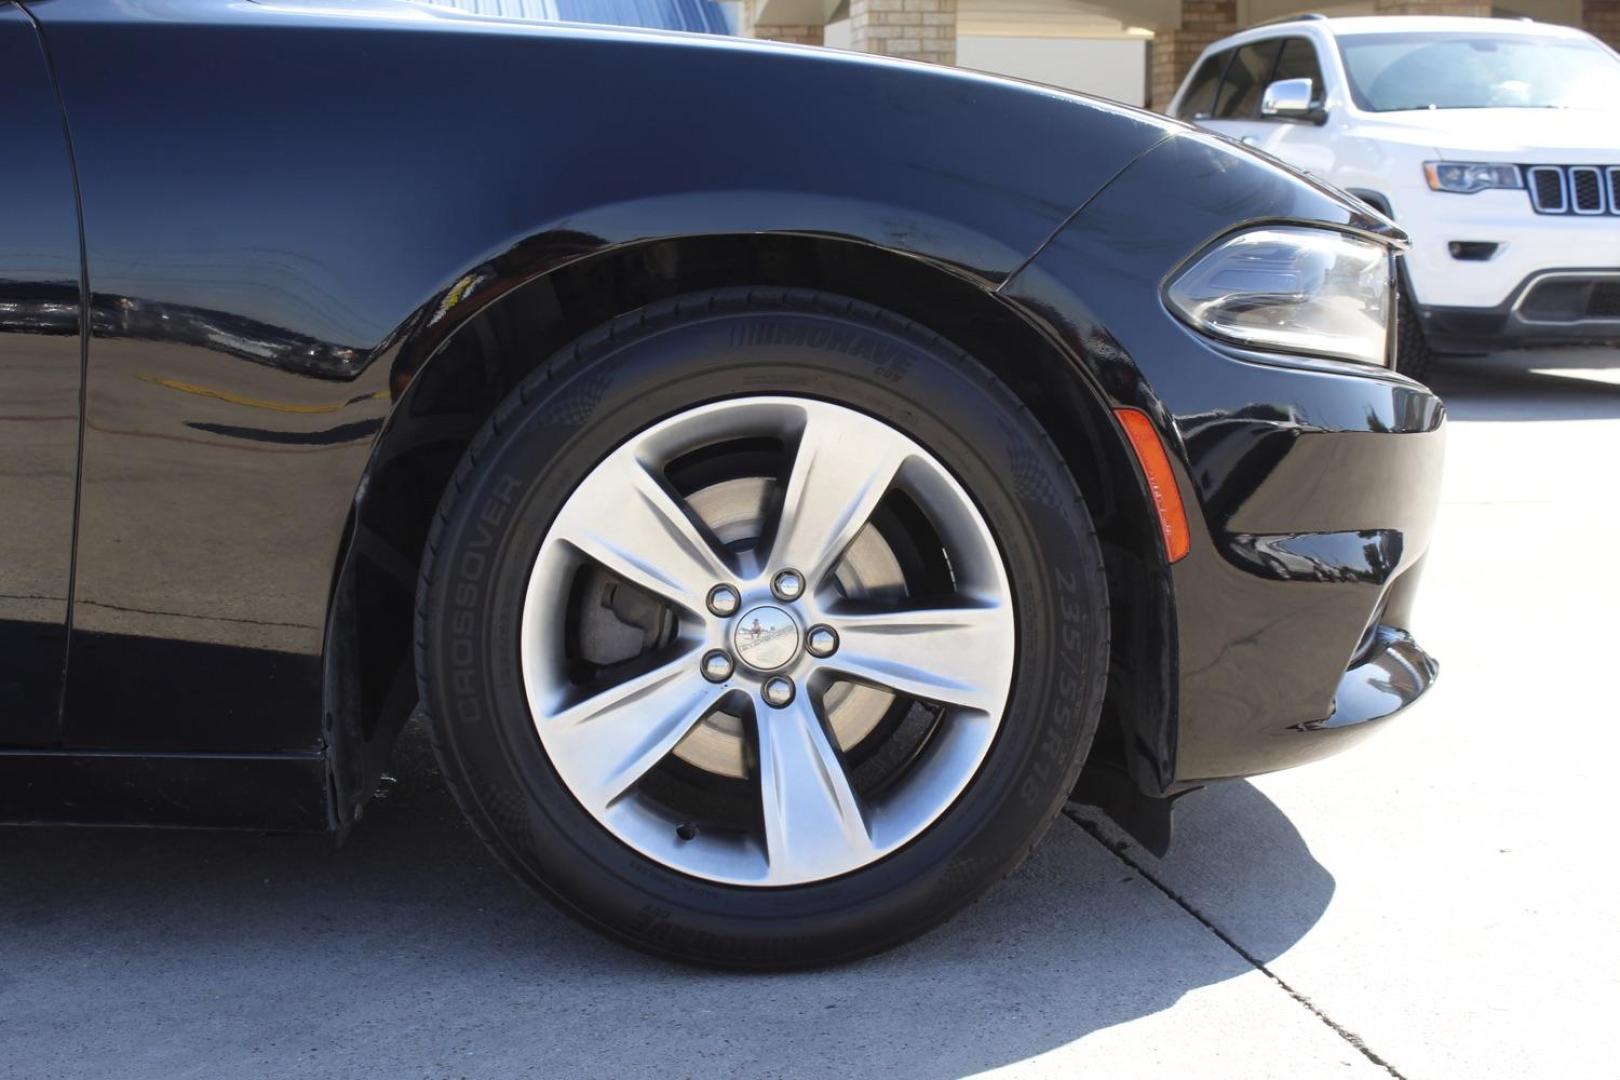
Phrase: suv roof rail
[1309,16]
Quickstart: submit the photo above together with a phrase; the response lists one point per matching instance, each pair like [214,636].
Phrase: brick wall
[796,34]
[915,29]
[1601,18]
[1203,22]
[1433,7]
[926,30]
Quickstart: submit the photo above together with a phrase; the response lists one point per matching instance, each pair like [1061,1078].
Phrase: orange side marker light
[1161,480]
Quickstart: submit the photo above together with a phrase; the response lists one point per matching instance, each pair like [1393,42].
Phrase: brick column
[799,34]
[1601,19]
[1203,22]
[1433,7]
[915,29]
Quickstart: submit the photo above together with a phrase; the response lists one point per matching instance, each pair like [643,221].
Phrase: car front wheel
[762,629]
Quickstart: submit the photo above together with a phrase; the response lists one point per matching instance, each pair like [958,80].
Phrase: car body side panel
[283,205]
[1311,485]
[273,792]
[40,357]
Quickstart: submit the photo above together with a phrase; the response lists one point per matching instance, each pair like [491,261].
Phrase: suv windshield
[1389,72]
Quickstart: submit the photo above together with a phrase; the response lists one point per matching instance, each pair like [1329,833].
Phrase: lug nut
[724,601]
[821,641]
[777,691]
[716,666]
[788,585]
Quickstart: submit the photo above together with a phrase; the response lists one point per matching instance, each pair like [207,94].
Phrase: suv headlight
[1467,177]
[1293,289]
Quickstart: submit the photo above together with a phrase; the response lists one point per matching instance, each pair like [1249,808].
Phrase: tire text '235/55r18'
[762,629]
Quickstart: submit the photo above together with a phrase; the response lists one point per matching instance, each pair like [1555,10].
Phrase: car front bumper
[1310,486]
[1295,613]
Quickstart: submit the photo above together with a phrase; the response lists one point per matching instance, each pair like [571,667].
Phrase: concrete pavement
[1442,902]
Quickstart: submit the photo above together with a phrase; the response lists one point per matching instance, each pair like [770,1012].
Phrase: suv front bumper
[1553,307]
[1526,246]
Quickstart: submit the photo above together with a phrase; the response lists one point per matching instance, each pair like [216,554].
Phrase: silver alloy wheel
[952,653]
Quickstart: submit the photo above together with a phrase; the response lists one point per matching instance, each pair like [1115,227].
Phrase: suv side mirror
[1291,99]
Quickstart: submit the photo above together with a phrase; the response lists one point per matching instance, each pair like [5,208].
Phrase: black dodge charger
[772,520]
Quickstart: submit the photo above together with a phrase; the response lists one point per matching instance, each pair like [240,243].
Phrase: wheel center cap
[766,637]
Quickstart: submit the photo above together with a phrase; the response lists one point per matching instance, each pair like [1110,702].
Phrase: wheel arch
[1377,200]
[444,394]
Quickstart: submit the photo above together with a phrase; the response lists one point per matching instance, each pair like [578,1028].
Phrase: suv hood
[1527,136]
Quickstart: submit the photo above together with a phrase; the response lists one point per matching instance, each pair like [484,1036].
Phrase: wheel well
[369,662]
[1375,200]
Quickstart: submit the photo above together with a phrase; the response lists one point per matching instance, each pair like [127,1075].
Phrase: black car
[778,479]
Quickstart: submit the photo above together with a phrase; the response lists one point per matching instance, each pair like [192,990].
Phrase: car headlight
[1467,177]
[1293,289]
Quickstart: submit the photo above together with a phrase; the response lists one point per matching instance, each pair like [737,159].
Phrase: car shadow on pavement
[408,951]
[1569,385]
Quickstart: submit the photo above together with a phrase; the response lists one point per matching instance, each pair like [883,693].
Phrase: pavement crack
[1121,851]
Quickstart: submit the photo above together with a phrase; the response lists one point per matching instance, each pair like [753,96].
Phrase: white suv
[1494,143]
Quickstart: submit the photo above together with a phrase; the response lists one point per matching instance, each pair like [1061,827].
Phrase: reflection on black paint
[1389,677]
[44,309]
[1365,557]
[1235,453]
[52,309]
[335,436]
[222,332]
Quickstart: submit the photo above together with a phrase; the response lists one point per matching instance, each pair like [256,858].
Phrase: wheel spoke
[608,740]
[814,826]
[624,518]
[841,471]
[953,655]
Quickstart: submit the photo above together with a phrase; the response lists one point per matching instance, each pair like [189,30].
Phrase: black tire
[646,366]
[1413,357]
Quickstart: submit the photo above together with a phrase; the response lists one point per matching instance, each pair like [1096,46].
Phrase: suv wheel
[1413,357]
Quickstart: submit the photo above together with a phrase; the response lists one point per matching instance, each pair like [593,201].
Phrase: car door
[41,355]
